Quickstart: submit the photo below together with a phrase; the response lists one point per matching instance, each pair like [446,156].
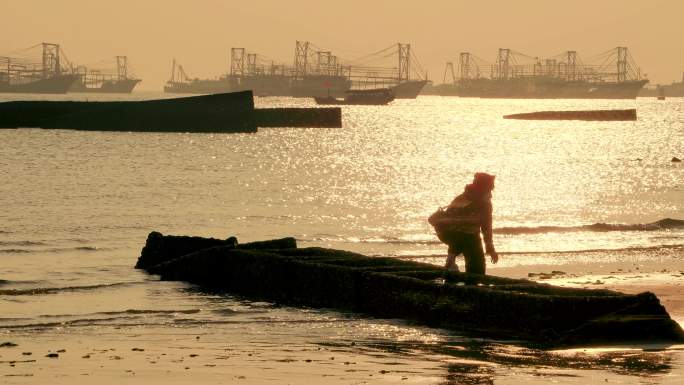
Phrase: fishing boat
[30,76]
[100,81]
[613,75]
[489,306]
[378,96]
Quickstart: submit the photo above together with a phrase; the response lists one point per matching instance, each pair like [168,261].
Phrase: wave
[582,251]
[188,321]
[4,282]
[53,250]
[124,319]
[56,290]
[625,249]
[74,322]
[141,311]
[22,243]
[114,313]
[15,251]
[663,224]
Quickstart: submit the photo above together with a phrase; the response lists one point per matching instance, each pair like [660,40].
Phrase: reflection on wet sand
[475,361]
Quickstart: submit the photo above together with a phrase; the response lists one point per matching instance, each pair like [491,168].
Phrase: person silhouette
[466,216]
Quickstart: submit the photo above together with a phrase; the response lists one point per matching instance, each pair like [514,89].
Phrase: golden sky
[200,33]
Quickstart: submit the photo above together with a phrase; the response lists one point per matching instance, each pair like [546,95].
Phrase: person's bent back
[466,216]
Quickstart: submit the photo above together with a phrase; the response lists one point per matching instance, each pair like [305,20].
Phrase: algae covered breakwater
[276,270]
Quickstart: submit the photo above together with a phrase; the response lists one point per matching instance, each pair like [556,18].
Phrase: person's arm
[486,226]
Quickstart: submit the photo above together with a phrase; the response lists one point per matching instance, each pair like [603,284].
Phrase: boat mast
[51,65]
[465,65]
[404,62]
[122,67]
[301,59]
[251,64]
[449,70]
[173,71]
[621,64]
[237,61]
[571,65]
[503,63]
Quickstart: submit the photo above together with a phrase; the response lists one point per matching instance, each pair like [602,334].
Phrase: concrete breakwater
[488,306]
[591,115]
[219,113]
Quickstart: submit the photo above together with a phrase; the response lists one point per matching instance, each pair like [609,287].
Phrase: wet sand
[111,356]
[115,356]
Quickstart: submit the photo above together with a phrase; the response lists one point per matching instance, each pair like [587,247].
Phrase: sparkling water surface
[77,207]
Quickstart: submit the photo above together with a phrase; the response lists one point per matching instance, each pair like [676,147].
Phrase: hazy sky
[200,33]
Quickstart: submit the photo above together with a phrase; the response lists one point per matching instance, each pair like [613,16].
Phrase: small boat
[378,96]
[488,306]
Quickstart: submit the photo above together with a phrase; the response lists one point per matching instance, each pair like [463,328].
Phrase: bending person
[469,214]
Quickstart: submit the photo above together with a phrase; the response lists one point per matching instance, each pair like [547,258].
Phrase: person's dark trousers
[471,247]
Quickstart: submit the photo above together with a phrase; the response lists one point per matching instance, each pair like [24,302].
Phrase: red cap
[483,181]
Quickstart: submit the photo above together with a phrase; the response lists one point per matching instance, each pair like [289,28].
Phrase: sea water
[77,207]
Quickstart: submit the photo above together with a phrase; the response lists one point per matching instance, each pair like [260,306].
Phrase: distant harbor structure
[314,73]
[52,73]
[674,89]
[613,75]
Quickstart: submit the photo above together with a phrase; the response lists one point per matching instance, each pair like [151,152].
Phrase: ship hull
[409,90]
[267,85]
[125,86]
[197,87]
[543,89]
[55,85]
[263,85]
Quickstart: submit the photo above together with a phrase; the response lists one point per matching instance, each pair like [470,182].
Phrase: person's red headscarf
[483,183]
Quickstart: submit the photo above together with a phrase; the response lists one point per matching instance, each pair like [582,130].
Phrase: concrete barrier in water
[590,115]
[299,117]
[219,113]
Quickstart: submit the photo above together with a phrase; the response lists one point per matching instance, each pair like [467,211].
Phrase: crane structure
[449,70]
